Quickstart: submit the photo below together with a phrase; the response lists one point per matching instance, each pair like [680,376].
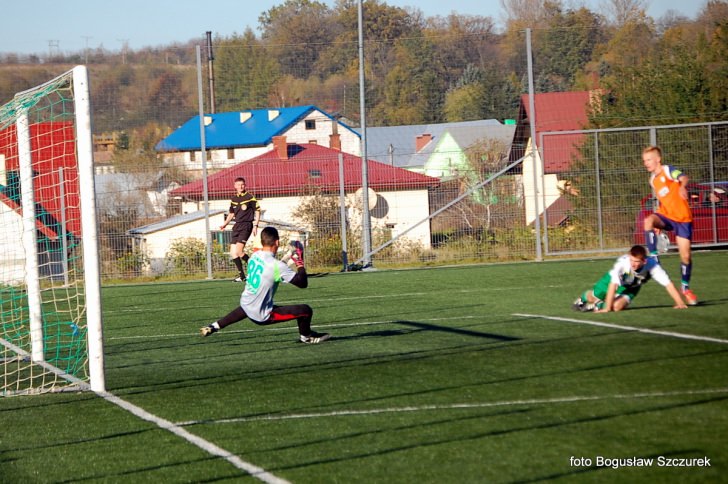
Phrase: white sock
[216,326]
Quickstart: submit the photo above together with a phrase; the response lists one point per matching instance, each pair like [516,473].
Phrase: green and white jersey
[265,272]
[623,275]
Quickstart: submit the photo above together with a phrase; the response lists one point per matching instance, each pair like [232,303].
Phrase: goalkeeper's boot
[314,338]
[207,330]
[690,298]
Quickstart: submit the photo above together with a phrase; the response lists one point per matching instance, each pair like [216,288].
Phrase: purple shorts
[681,229]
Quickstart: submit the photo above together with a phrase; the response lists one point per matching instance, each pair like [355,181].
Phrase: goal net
[50,311]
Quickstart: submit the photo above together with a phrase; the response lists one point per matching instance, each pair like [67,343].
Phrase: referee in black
[245,210]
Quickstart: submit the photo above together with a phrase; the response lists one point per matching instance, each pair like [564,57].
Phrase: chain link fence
[601,197]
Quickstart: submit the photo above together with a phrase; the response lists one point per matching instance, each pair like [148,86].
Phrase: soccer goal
[50,306]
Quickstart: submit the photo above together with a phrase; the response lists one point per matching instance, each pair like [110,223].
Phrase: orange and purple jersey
[666,185]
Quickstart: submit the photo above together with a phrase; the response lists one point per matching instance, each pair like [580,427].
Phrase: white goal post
[51,336]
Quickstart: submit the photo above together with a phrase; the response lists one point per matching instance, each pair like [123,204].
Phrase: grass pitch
[463,374]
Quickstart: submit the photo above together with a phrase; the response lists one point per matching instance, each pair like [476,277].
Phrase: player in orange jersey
[669,185]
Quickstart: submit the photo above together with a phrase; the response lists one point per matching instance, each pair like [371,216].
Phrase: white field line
[456,406]
[283,328]
[207,446]
[626,328]
[203,444]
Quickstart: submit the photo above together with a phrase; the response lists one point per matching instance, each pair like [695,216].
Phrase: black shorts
[241,232]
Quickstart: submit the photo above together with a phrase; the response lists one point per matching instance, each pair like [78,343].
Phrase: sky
[76,25]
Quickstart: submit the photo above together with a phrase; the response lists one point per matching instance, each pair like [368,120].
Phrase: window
[193,155]
[314,173]
[312,142]
[231,154]
[310,124]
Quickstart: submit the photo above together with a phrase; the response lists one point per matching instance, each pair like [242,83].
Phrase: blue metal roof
[233,130]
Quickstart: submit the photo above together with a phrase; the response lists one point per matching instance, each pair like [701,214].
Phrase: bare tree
[619,12]
[526,12]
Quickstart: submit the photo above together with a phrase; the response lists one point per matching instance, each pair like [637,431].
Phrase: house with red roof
[285,175]
[554,111]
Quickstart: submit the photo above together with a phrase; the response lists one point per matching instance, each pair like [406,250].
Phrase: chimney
[422,140]
[281,147]
[335,141]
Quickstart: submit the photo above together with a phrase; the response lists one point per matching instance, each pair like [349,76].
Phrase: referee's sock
[239,264]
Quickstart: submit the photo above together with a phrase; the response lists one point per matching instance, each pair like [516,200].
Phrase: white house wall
[350,142]
[12,262]
[404,209]
[157,244]
[547,186]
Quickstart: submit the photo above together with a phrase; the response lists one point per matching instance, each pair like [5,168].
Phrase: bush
[186,255]
[132,263]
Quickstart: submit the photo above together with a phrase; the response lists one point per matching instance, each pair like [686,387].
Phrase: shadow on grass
[414,426]
[417,326]
[193,380]
[175,473]
[86,440]
[524,379]
[561,422]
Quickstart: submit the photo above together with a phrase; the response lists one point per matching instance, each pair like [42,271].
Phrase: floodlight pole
[532,122]
[203,153]
[342,212]
[210,71]
[366,230]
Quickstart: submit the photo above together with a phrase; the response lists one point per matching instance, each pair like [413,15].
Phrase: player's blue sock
[686,271]
[651,241]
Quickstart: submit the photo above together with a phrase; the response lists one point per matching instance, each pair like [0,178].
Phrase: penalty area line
[625,328]
[255,471]
[457,406]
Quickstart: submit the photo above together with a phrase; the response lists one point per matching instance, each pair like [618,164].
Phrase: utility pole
[87,37]
[210,72]
[53,48]
[124,48]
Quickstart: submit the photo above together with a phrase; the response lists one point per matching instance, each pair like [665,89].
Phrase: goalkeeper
[618,287]
[265,272]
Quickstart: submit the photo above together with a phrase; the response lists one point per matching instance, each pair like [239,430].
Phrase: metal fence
[599,199]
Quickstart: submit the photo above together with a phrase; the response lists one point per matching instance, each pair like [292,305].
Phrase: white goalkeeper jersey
[265,272]
[623,275]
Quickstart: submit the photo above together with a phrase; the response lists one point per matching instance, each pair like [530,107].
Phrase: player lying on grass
[265,272]
[618,287]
